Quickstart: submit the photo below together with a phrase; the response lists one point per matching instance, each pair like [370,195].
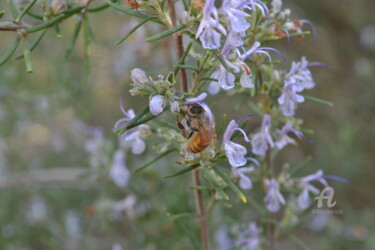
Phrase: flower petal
[157,104]
[138,146]
[236,154]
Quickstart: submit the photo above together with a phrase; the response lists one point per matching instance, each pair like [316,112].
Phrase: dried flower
[58,6]
[139,76]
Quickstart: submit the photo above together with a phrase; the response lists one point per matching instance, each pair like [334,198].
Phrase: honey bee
[196,126]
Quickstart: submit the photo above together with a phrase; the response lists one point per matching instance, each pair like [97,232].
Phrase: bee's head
[194,109]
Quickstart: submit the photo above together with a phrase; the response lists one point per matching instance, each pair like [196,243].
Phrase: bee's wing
[206,134]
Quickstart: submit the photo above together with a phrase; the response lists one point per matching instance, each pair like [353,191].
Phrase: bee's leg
[187,133]
[191,127]
[179,124]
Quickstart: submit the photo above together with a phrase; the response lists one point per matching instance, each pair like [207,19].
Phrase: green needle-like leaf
[154,160]
[77,29]
[25,10]
[165,33]
[230,184]
[46,24]
[207,174]
[133,121]
[183,171]
[317,100]
[301,165]
[183,57]
[221,60]
[2,13]
[10,51]
[132,31]
[33,46]
[131,12]
[182,66]
[13,8]
[27,56]
[301,245]
[182,215]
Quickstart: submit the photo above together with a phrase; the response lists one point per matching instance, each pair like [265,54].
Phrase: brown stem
[179,46]
[201,212]
[195,173]
[13,27]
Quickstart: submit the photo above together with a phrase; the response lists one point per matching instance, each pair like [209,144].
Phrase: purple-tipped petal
[312,27]
[336,178]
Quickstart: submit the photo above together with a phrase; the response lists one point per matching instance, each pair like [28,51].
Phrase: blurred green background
[54,194]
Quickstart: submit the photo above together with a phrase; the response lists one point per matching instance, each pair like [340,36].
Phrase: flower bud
[58,6]
[144,130]
[175,107]
[276,5]
[157,104]
[139,76]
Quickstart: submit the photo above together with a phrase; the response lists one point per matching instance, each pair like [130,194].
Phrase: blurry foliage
[44,118]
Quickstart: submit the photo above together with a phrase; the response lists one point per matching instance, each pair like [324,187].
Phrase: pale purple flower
[36,209]
[134,136]
[274,198]
[244,180]
[223,242]
[300,75]
[117,246]
[128,116]
[138,76]
[234,151]
[256,49]
[289,98]
[304,198]
[233,41]
[234,15]
[94,146]
[246,80]
[157,104]
[262,140]
[284,138]
[73,224]
[249,238]
[210,28]
[276,5]
[119,173]
[213,88]
[225,79]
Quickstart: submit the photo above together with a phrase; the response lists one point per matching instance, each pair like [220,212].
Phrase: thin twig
[201,212]
[14,27]
[179,46]
[195,173]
